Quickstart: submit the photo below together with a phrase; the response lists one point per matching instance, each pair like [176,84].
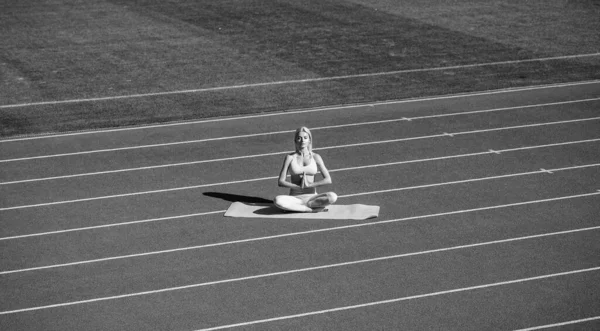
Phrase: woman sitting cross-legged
[302,166]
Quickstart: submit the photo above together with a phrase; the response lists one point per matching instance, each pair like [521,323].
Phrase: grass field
[65,50]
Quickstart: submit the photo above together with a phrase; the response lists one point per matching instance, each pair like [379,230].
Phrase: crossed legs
[305,203]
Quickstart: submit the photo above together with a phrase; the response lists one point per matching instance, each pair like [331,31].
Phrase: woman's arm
[282,182]
[326,177]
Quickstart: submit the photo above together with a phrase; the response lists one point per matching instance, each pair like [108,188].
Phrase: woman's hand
[305,182]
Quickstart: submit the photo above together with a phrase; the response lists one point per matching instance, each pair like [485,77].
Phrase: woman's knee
[332,197]
[289,203]
[286,200]
[322,200]
[281,200]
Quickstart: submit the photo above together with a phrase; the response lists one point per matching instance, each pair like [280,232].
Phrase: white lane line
[287,272]
[227,183]
[412,297]
[369,166]
[136,193]
[144,146]
[471,180]
[284,152]
[527,126]
[296,81]
[168,218]
[445,134]
[292,234]
[211,184]
[294,112]
[548,326]
[106,172]
[526,107]
[558,103]
[439,158]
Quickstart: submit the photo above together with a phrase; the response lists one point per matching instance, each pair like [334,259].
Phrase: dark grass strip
[331,37]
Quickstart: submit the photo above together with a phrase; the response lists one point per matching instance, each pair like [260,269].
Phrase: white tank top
[296,170]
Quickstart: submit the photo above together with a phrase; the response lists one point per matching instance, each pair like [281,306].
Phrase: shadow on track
[237,198]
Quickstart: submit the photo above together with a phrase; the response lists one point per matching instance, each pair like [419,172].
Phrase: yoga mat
[268,210]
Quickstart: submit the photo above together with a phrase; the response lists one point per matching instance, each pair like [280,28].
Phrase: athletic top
[296,170]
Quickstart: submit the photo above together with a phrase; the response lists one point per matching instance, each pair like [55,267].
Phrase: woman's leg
[291,203]
[322,200]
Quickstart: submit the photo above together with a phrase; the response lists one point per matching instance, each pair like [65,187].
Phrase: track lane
[189,201]
[173,269]
[187,306]
[503,308]
[74,164]
[356,284]
[202,174]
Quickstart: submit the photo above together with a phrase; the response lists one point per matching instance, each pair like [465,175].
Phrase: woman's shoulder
[317,157]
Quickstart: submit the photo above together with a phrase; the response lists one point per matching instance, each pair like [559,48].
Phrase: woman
[303,165]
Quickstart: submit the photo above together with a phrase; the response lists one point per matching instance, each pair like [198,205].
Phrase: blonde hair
[310,144]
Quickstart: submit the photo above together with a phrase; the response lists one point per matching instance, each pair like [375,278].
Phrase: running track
[489,221]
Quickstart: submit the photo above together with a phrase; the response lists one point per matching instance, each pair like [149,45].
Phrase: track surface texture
[489,220]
